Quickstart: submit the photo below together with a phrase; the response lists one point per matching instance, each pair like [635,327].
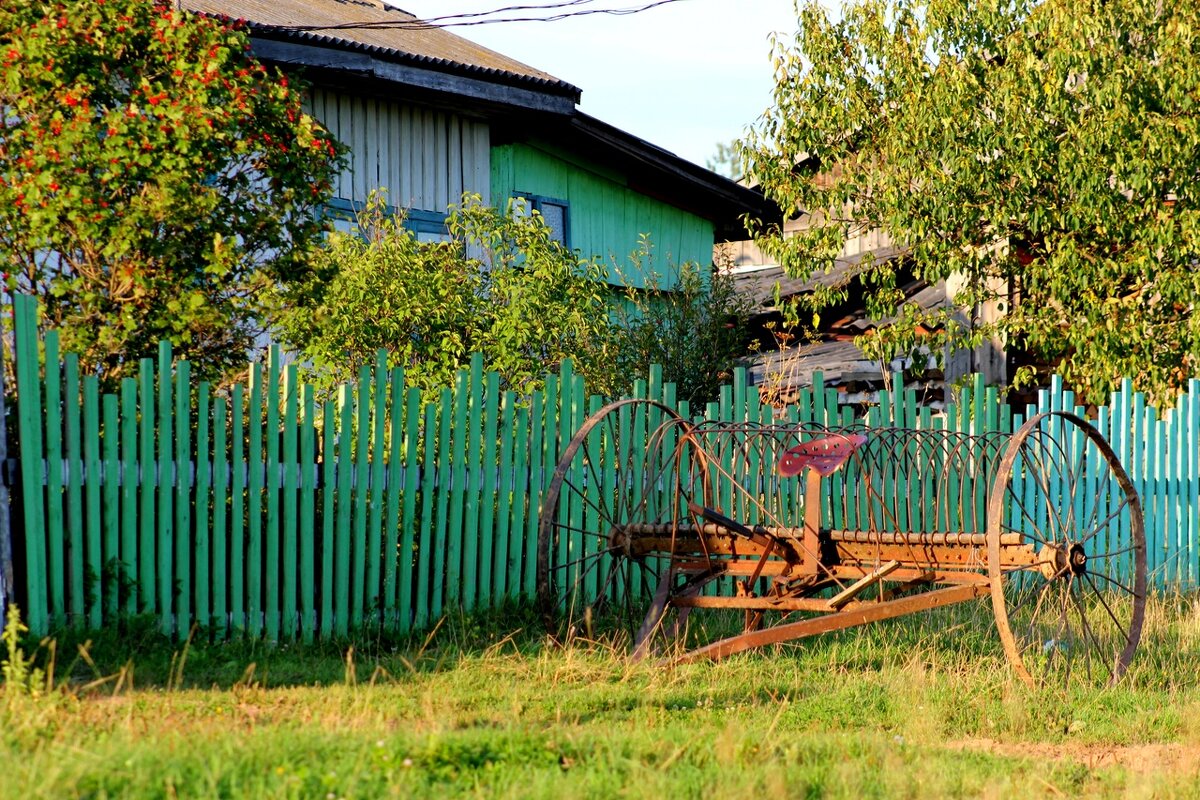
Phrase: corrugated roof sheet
[429,46]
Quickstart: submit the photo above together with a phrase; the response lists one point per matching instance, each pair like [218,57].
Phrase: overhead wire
[483,17]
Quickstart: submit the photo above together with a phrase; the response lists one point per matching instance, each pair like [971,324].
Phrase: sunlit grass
[923,706]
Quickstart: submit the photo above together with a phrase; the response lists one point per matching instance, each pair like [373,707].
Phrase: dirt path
[1141,758]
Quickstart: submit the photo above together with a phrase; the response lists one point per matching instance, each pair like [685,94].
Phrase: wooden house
[428,116]
[786,364]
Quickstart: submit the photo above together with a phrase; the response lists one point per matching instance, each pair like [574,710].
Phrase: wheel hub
[1057,561]
[1052,562]
[1078,559]
[619,540]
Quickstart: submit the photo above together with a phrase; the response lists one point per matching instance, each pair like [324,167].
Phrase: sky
[685,76]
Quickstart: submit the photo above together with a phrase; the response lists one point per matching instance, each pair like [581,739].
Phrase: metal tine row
[900,480]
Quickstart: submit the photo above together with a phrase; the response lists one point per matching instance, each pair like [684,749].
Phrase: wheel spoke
[1089,633]
[1104,523]
[581,559]
[1114,582]
[1103,602]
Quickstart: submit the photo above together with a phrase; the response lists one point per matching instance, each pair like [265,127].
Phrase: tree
[500,286]
[727,160]
[693,328]
[156,182]
[1048,152]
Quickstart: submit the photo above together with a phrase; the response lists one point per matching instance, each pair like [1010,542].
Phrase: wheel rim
[1073,616]
[607,479]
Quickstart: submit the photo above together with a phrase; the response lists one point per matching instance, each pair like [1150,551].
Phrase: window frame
[537,201]
[417,220]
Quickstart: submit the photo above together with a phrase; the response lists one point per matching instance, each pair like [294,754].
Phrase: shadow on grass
[948,641]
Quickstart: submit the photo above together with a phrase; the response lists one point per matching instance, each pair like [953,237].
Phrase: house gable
[605,217]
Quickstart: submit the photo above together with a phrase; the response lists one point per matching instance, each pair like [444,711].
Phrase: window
[554,214]
[429,226]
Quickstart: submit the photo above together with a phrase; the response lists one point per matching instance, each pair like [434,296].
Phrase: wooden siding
[425,158]
[605,217]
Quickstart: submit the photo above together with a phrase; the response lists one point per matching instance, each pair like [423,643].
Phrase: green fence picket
[237,512]
[362,479]
[374,540]
[75,477]
[423,590]
[129,481]
[254,532]
[271,566]
[536,481]
[443,561]
[111,571]
[29,413]
[290,502]
[1192,577]
[183,506]
[395,479]
[504,555]
[342,536]
[95,523]
[489,564]
[54,544]
[308,512]
[522,526]
[453,471]
[148,485]
[220,608]
[200,514]
[166,499]
[472,467]
[329,477]
[406,582]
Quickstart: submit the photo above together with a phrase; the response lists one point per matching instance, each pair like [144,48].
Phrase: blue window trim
[416,220]
[535,204]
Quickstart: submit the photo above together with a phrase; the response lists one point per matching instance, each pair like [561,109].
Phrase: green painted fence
[262,511]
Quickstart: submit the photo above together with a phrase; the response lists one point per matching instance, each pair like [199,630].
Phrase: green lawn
[920,707]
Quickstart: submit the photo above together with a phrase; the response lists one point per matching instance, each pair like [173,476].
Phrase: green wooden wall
[605,216]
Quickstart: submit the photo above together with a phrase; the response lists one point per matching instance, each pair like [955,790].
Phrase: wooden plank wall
[260,511]
[605,216]
[425,158]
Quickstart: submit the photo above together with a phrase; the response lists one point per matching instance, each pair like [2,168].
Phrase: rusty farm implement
[653,522]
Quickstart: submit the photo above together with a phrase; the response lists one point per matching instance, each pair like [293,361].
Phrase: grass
[919,707]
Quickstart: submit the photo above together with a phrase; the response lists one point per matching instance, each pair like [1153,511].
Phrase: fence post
[6,566]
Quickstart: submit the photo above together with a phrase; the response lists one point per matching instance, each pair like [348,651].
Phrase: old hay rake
[796,530]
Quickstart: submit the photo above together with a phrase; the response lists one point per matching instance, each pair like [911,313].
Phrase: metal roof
[317,21]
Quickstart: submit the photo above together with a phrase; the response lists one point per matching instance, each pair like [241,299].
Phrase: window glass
[555,215]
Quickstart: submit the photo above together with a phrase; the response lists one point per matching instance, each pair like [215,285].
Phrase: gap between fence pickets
[13,472]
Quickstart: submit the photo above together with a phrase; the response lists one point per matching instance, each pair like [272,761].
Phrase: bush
[500,286]
[694,328]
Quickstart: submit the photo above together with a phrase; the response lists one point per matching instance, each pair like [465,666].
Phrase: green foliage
[154,179]
[21,677]
[693,329]
[1047,153]
[500,286]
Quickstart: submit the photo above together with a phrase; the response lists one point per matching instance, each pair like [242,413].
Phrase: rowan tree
[155,179]
[1046,152]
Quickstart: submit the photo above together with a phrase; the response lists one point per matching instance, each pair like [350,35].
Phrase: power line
[506,9]
[475,18]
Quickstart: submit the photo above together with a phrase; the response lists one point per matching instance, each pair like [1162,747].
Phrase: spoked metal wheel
[616,480]
[1066,555]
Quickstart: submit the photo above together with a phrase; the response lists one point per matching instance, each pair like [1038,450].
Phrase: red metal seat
[826,455]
